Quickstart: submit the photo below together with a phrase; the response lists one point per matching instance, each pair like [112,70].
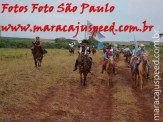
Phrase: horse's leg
[108,79]
[141,81]
[111,77]
[40,62]
[132,74]
[35,62]
[85,79]
[136,79]
[81,80]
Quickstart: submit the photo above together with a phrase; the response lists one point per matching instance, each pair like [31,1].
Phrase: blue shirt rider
[107,54]
[139,54]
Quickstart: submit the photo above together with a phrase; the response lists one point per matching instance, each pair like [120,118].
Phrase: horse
[128,56]
[37,54]
[93,51]
[71,50]
[122,51]
[117,53]
[83,63]
[142,70]
[133,75]
[109,69]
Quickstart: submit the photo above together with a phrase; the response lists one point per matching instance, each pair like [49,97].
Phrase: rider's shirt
[84,50]
[127,49]
[133,52]
[140,52]
[111,49]
[107,55]
[37,42]
[71,45]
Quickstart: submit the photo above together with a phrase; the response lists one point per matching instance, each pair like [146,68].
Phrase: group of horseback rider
[138,53]
[84,48]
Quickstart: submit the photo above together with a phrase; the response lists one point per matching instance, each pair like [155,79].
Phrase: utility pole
[85,35]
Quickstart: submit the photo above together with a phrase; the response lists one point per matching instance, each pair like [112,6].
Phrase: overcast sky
[132,12]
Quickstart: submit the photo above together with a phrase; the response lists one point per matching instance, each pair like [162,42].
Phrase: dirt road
[67,101]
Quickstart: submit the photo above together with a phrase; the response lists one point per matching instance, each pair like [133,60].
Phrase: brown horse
[83,67]
[71,50]
[142,69]
[128,56]
[109,69]
[117,53]
[133,75]
[122,51]
[93,51]
[37,54]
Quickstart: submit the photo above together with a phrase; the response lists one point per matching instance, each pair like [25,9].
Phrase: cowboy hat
[85,41]
[109,47]
[142,45]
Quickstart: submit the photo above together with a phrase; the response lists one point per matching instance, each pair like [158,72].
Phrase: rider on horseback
[37,43]
[86,50]
[134,51]
[71,45]
[107,55]
[139,54]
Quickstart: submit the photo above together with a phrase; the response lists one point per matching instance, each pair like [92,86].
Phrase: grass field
[21,83]
[53,91]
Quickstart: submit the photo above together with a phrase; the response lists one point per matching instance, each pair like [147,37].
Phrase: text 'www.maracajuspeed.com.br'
[77,28]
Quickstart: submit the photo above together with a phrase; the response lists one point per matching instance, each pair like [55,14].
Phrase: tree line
[59,43]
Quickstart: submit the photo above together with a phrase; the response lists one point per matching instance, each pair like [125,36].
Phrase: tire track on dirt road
[96,106]
[136,104]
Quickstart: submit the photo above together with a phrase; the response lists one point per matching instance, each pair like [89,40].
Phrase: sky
[127,12]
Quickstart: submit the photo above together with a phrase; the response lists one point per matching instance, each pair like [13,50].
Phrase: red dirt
[93,107]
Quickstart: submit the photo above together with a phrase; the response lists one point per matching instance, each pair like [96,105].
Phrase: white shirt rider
[71,45]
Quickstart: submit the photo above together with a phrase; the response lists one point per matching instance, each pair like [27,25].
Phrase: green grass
[17,56]
[21,84]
